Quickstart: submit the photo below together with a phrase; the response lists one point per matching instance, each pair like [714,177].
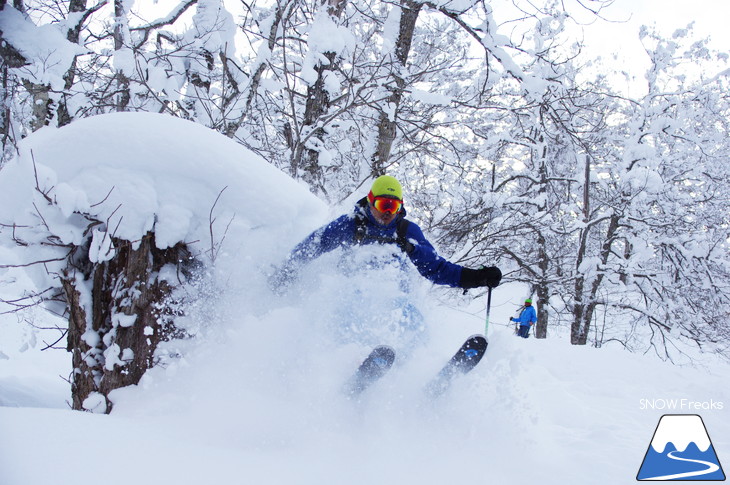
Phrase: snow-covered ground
[257,401]
[256,396]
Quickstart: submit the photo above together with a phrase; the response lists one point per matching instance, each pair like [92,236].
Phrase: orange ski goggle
[386,204]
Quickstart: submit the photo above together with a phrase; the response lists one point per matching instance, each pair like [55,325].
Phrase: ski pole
[517,322]
[489,305]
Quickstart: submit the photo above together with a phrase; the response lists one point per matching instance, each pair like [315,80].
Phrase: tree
[119,309]
[531,127]
[77,9]
[113,254]
[131,313]
[318,100]
[674,188]
[395,86]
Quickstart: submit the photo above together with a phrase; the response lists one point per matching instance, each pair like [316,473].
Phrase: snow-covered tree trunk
[259,67]
[40,92]
[9,57]
[123,52]
[113,336]
[318,103]
[542,289]
[74,35]
[387,123]
[541,285]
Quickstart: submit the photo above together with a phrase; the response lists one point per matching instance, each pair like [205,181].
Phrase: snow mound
[140,172]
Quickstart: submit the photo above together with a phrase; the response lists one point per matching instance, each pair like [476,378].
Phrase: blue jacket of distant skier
[527,316]
[342,233]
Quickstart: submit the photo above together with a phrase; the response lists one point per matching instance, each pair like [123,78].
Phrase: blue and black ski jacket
[528,316]
[360,227]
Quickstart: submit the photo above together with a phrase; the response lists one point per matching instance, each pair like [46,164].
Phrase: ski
[463,361]
[375,365]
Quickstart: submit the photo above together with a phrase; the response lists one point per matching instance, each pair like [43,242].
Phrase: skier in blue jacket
[379,218]
[527,318]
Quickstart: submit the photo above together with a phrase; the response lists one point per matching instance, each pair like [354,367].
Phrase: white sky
[709,16]
[616,37]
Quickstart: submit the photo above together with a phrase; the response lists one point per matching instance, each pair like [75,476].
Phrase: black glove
[476,278]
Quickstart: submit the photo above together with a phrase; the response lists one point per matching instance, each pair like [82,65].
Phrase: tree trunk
[115,344]
[73,35]
[317,105]
[613,226]
[42,104]
[233,127]
[388,118]
[542,290]
[541,286]
[581,321]
[585,304]
[121,33]
[11,57]
[579,308]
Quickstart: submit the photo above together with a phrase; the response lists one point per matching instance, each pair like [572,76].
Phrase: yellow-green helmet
[386,186]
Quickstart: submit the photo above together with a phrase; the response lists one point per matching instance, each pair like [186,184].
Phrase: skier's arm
[429,264]
[323,240]
[442,272]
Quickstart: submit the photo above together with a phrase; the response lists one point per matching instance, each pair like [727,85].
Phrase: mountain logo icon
[680,450]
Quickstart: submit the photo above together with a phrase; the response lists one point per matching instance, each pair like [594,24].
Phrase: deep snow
[256,396]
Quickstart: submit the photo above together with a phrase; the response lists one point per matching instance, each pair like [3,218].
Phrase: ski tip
[477,341]
[384,348]
[478,337]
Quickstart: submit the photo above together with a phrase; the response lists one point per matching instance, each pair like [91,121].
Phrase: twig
[211,221]
[41,216]
[52,345]
[37,182]
[26,265]
[105,198]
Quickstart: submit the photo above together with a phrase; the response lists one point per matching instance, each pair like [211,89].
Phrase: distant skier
[380,219]
[527,318]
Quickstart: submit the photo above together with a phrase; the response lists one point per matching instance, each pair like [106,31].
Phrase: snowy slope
[255,398]
[533,412]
